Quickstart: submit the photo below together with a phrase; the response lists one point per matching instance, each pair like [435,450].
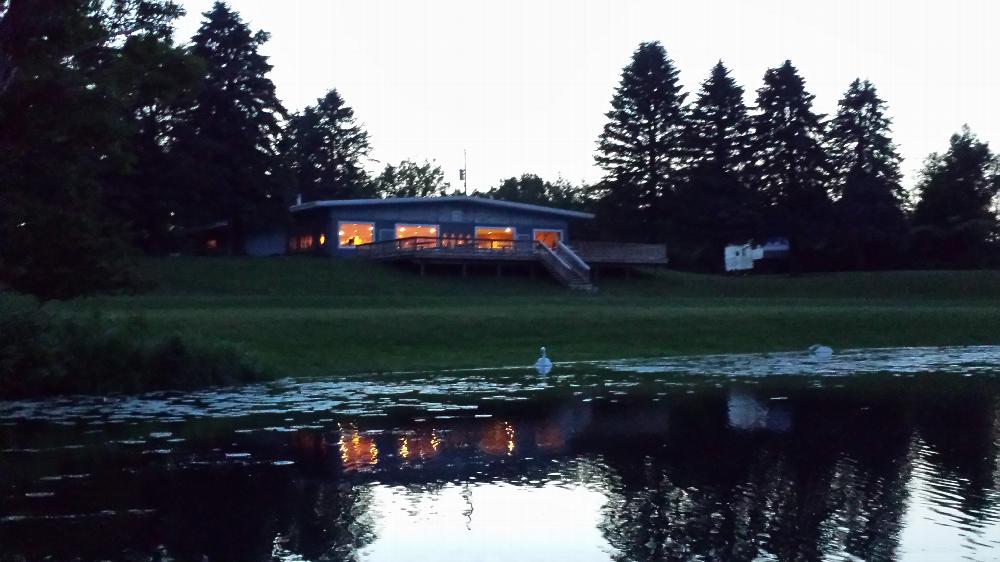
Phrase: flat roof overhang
[468,199]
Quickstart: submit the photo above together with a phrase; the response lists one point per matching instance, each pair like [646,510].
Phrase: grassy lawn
[304,316]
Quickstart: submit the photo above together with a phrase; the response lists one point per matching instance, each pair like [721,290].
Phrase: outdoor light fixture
[322,239]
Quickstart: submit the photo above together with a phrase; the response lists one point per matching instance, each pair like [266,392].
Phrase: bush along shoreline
[42,354]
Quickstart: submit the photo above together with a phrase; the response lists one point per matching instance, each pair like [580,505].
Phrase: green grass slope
[308,316]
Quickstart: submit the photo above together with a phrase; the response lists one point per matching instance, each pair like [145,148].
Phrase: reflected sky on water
[776,457]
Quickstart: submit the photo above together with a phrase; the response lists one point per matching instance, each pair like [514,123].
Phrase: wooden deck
[620,253]
[482,250]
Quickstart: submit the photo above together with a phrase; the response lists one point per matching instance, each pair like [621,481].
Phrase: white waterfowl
[821,351]
[544,364]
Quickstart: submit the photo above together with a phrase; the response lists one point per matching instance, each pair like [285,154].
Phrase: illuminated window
[548,237]
[305,242]
[427,232]
[212,244]
[351,234]
[495,237]
[416,231]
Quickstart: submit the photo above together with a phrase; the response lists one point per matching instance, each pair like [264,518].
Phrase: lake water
[871,455]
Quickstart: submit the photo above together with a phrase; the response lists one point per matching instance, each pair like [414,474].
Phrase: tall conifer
[717,201]
[640,149]
[327,151]
[228,139]
[791,166]
[871,220]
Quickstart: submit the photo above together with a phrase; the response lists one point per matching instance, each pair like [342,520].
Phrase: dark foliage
[326,150]
[718,201]
[226,152]
[532,189]
[640,149]
[954,222]
[43,355]
[791,167]
[64,137]
[409,179]
[871,223]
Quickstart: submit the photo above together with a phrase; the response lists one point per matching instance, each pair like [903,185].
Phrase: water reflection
[593,466]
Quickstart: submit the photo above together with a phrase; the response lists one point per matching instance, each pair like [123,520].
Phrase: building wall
[452,218]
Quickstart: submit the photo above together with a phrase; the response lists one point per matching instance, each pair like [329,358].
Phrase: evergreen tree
[954,224]
[64,132]
[640,149]
[718,202]
[226,151]
[791,167]
[326,150]
[409,179]
[872,224]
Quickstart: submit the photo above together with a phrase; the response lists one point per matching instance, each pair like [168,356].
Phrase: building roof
[441,199]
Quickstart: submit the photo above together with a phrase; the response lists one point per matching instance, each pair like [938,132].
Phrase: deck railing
[620,252]
[447,246]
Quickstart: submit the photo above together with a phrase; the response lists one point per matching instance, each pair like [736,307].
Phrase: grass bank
[303,316]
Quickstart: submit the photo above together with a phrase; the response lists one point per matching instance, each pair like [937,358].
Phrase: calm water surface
[875,455]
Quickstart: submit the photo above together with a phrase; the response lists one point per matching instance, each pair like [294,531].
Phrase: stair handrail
[581,266]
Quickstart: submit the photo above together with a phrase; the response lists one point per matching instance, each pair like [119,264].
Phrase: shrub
[41,354]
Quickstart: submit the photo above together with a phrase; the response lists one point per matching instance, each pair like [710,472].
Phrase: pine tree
[409,179]
[227,142]
[791,167]
[872,223]
[326,150]
[640,149]
[954,224]
[718,202]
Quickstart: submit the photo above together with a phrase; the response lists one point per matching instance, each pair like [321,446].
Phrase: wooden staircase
[565,266]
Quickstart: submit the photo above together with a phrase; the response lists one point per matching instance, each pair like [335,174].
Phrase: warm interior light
[417,231]
[354,234]
[322,239]
[507,229]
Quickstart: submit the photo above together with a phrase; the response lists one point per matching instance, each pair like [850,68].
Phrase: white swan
[821,351]
[544,364]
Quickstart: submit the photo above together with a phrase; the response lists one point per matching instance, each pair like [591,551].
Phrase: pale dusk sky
[524,85]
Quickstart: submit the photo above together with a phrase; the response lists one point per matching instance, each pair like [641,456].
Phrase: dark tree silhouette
[953,222]
[532,189]
[718,202]
[792,169]
[65,127]
[409,179]
[326,150]
[640,149]
[227,141]
[872,223]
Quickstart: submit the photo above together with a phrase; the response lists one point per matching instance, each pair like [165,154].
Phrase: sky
[523,85]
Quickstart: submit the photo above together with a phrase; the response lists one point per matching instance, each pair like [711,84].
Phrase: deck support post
[628,272]
[422,272]
[465,270]
[531,271]
[499,270]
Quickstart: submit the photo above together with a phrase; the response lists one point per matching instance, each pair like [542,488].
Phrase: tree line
[703,174]
[114,138]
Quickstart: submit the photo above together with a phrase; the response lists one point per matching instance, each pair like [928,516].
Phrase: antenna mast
[465,170]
